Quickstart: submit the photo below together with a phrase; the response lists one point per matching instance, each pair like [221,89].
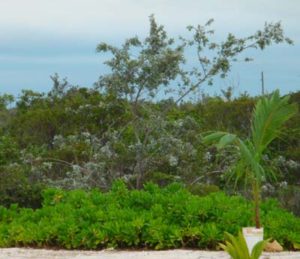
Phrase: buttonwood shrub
[155,218]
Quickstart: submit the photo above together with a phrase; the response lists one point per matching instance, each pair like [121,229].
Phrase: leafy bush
[280,224]
[16,187]
[157,218]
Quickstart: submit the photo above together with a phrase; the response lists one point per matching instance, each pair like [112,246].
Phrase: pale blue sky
[41,37]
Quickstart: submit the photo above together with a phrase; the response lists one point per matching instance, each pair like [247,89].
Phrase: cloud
[93,18]
[68,59]
[40,37]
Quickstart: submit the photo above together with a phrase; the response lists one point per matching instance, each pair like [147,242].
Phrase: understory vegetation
[154,217]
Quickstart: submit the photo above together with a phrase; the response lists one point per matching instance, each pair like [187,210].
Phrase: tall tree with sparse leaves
[155,68]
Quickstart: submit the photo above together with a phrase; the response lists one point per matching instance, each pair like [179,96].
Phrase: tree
[268,119]
[154,68]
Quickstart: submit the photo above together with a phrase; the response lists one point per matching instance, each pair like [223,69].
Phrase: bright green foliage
[151,218]
[276,222]
[237,248]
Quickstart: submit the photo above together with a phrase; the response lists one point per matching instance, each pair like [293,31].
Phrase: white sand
[27,253]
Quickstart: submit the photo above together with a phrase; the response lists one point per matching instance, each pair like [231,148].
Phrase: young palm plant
[269,116]
[237,248]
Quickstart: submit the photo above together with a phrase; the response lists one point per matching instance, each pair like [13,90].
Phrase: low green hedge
[170,217]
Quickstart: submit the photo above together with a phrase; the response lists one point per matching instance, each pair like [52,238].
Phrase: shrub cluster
[154,217]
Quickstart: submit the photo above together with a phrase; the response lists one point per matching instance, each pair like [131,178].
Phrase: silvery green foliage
[69,175]
[287,163]
[171,146]
[289,169]
[173,160]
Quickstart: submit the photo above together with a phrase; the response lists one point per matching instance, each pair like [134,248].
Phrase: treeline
[75,137]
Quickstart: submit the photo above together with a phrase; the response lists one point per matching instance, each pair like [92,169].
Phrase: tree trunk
[139,171]
[256,198]
[139,176]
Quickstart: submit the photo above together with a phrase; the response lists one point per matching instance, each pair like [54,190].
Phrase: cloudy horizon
[40,38]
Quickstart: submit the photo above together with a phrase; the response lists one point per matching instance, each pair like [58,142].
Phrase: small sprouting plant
[237,248]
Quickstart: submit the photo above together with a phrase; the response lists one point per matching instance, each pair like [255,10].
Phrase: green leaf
[213,137]
[269,116]
[236,247]
[226,140]
[258,249]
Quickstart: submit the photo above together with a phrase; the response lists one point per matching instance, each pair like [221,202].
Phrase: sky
[41,37]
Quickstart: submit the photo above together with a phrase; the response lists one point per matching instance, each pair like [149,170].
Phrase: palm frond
[237,247]
[213,137]
[239,173]
[269,116]
[258,249]
[221,139]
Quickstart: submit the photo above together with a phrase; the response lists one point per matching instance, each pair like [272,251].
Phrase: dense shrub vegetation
[82,151]
[154,218]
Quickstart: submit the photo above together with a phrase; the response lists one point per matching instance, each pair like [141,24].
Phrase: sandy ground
[27,253]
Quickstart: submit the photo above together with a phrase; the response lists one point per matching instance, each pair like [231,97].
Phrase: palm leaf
[269,116]
[222,139]
[242,244]
[226,140]
[238,172]
[213,137]
[236,247]
[258,249]
[250,158]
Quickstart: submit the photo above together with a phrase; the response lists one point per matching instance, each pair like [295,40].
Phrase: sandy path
[20,253]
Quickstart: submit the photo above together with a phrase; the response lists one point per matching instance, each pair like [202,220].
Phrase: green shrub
[280,224]
[154,217]
[15,187]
